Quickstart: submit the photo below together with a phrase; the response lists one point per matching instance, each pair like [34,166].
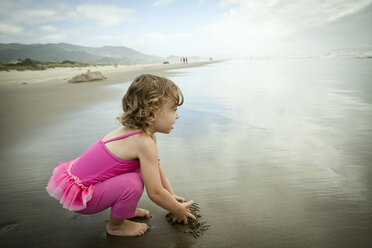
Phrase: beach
[275,152]
[62,74]
[31,103]
[43,96]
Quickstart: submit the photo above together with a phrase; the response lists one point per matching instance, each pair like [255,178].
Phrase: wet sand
[48,96]
[35,129]
[195,227]
[276,154]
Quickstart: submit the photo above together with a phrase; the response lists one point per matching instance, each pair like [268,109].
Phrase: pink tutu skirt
[68,189]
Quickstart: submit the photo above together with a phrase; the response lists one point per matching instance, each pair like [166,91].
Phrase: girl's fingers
[189,203]
[192,216]
[179,199]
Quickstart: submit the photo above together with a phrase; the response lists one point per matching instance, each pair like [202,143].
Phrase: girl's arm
[148,156]
[166,184]
[164,179]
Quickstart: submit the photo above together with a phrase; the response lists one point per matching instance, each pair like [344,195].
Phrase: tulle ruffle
[68,189]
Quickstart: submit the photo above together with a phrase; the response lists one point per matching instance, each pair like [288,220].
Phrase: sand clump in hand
[194,226]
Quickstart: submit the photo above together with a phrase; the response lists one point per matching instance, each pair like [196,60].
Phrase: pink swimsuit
[98,180]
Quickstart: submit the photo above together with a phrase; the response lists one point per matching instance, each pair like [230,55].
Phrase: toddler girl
[113,171]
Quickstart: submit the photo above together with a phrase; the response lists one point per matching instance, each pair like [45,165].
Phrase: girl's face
[166,117]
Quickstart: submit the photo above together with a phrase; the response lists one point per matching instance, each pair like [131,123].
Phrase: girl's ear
[150,115]
[151,119]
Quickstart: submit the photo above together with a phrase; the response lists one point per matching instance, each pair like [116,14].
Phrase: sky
[210,28]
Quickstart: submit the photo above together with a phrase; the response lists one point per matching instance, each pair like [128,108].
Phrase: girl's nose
[177,116]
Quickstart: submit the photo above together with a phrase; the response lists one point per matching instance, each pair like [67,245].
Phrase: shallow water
[277,153]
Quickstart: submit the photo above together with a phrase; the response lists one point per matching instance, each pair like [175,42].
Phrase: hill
[64,51]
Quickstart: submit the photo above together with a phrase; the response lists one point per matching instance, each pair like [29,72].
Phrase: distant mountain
[64,51]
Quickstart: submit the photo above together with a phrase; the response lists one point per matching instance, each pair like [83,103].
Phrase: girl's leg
[122,193]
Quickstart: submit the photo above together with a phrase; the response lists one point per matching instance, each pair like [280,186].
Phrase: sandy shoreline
[62,75]
[47,96]
[273,156]
[36,118]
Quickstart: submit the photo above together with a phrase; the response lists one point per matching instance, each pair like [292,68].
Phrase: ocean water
[277,153]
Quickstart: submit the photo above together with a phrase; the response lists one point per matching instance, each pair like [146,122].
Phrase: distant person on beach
[113,171]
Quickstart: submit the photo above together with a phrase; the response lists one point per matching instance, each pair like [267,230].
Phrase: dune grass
[29,64]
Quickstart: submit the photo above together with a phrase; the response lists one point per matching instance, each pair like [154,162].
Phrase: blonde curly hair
[144,98]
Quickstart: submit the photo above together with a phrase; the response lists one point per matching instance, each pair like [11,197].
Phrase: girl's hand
[179,198]
[182,216]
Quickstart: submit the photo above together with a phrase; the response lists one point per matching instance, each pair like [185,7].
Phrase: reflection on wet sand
[275,152]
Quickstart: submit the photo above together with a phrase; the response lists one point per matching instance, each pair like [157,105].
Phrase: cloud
[104,15]
[10,29]
[164,39]
[260,25]
[149,39]
[48,28]
[31,13]
[34,22]
[56,37]
[242,28]
[166,44]
[37,16]
[288,15]
[162,2]
[226,3]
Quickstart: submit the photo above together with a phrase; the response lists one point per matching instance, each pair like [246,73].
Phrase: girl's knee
[136,193]
[134,185]
[137,188]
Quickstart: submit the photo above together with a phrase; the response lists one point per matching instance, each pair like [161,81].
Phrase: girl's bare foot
[126,228]
[143,213]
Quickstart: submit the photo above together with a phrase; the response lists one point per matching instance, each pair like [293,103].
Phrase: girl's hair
[144,98]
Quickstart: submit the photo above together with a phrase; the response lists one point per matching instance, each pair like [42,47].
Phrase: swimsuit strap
[122,137]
